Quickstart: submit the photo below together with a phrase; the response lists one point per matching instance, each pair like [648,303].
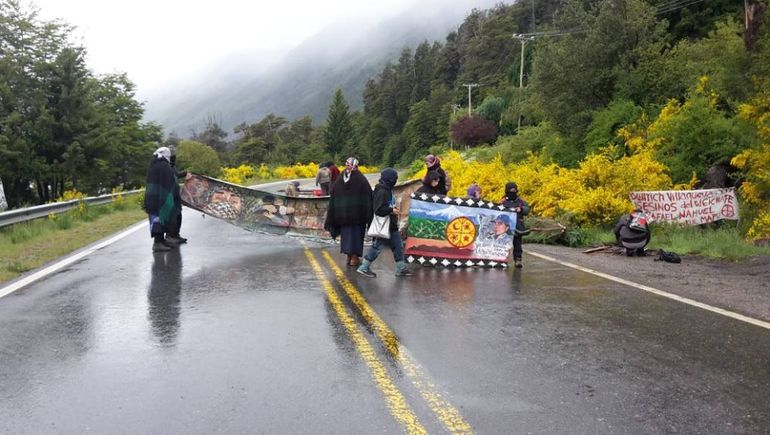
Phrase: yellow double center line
[448,415]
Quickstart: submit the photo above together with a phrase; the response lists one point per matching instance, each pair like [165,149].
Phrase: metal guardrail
[27,214]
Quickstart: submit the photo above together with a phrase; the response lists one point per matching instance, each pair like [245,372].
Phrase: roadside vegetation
[28,245]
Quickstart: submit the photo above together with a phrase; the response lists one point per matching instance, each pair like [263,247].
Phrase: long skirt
[352,239]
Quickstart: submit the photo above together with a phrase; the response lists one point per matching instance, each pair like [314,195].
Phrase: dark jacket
[427,188]
[624,233]
[514,203]
[349,203]
[160,190]
[444,185]
[383,197]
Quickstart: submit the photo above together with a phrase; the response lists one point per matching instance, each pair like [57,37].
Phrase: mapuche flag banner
[459,232]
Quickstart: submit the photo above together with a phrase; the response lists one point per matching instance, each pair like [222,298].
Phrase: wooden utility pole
[470,86]
[753,13]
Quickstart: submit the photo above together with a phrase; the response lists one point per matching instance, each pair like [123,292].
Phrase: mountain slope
[304,81]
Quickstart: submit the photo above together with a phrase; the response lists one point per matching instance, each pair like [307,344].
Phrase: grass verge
[724,242]
[29,245]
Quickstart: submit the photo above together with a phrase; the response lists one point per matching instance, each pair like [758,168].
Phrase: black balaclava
[511,191]
[388,177]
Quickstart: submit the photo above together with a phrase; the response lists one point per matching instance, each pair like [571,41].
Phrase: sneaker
[518,264]
[404,272]
[366,272]
[160,247]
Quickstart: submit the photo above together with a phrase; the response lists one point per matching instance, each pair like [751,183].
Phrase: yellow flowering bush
[595,192]
[296,171]
[368,169]
[755,191]
[238,175]
[69,195]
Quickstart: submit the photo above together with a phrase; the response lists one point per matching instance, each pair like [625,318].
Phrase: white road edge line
[5,291]
[736,316]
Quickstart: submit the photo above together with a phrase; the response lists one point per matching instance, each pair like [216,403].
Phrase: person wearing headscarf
[385,205]
[350,211]
[474,191]
[430,184]
[513,201]
[159,197]
[433,163]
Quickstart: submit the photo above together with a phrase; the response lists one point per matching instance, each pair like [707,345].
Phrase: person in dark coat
[385,205]
[175,227]
[430,184]
[159,197]
[350,211]
[633,233]
[433,163]
[513,201]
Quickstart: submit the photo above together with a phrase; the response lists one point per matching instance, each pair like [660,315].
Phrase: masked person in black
[513,201]
[385,205]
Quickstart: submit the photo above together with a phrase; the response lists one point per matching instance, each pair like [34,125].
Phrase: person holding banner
[350,211]
[513,201]
[633,233]
[159,197]
[385,205]
[433,163]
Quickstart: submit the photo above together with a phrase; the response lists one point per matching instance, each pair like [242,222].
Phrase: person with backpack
[633,233]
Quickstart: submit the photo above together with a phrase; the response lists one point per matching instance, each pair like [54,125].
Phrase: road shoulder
[741,286]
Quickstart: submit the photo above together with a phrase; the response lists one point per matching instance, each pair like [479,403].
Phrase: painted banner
[693,207]
[460,232]
[266,212]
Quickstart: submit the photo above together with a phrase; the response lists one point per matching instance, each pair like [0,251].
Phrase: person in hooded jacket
[433,163]
[633,236]
[430,184]
[159,200]
[513,201]
[384,204]
[350,211]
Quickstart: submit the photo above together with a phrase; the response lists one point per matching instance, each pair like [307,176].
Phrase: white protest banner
[693,207]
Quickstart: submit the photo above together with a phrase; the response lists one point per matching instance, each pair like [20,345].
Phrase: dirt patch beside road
[742,287]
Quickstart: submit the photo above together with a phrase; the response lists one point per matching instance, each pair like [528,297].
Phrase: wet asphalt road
[236,333]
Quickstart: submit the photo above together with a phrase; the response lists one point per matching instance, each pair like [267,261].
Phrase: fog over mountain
[246,87]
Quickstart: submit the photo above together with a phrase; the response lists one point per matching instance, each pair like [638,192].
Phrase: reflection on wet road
[239,332]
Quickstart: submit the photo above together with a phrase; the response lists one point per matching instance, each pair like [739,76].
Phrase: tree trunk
[754,13]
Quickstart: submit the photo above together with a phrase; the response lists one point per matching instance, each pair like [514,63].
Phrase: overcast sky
[159,41]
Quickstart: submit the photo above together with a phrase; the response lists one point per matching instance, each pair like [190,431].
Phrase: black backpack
[668,257]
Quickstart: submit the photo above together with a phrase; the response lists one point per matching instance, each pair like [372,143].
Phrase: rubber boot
[402,269]
[363,269]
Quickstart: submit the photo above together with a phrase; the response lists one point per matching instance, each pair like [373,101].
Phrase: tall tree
[339,126]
